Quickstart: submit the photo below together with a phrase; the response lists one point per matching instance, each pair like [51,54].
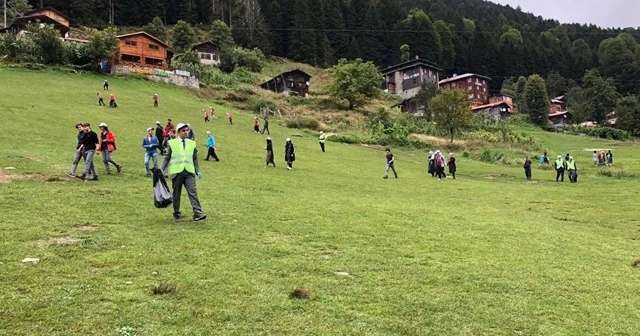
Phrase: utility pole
[111,10]
[41,3]
[5,13]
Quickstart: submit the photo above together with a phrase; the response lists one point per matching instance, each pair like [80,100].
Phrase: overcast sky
[611,13]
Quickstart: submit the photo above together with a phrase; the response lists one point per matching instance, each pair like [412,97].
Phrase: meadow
[486,254]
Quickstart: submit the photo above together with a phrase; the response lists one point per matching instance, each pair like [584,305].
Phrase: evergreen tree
[448,55]
[183,37]
[220,34]
[521,85]
[618,60]
[371,41]
[600,96]
[582,58]
[537,100]
[16,8]
[628,114]
[156,28]
[556,84]
[335,29]
[303,42]
[419,33]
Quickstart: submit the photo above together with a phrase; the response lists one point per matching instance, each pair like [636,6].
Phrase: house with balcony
[477,87]
[46,15]
[143,50]
[209,53]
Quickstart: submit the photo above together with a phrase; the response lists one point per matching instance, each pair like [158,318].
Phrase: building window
[131,43]
[471,96]
[153,61]
[469,80]
[205,56]
[153,47]
[484,82]
[130,58]
[469,87]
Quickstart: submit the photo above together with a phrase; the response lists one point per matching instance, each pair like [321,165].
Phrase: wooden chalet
[476,85]
[47,15]
[209,52]
[405,80]
[295,82]
[499,110]
[144,50]
[561,118]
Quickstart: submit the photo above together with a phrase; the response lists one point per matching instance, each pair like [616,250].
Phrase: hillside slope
[487,254]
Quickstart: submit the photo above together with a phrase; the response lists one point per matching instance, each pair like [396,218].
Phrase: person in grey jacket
[182,160]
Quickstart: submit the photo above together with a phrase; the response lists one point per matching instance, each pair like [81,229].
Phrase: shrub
[301,123]
[349,138]
[255,104]
[487,155]
[601,132]
[615,172]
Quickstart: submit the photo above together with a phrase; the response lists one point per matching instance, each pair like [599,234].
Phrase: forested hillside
[459,35]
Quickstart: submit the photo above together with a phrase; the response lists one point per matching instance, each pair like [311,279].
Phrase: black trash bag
[162,197]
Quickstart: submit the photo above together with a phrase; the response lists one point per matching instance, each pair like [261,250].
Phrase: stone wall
[158,75]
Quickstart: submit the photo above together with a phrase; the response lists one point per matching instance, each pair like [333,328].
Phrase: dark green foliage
[628,114]
[600,96]
[156,28]
[48,45]
[536,100]
[600,132]
[220,34]
[184,37]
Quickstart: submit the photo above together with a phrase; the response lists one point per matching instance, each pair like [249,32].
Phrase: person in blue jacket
[211,145]
[150,143]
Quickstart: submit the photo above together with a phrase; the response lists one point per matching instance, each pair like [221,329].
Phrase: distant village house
[405,80]
[477,86]
[499,107]
[209,53]
[295,83]
[144,50]
[558,113]
[46,15]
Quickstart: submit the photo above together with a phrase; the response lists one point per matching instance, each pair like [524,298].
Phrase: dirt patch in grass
[497,176]
[6,178]
[437,141]
[300,293]
[376,147]
[63,241]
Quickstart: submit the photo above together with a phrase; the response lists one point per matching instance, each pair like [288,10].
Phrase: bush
[349,138]
[602,132]
[255,104]
[301,123]
[489,156]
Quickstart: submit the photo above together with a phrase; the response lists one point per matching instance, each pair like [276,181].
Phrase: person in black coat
[452,165]
[289,154]
[160,135]
[269,149]
[527,168]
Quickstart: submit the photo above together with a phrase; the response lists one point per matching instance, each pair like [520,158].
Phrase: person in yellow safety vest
[560,166]
[572,170]
[321,140]
[181,158]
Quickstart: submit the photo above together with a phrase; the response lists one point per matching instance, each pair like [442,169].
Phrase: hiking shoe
[82,177]
[108,172]
[94,178]
[70,175]
[119,168]
[199,218]
[385,177]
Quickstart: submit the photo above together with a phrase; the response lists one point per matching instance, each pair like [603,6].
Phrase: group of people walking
[602,159]
[289,153]
[89,144]
[437,164]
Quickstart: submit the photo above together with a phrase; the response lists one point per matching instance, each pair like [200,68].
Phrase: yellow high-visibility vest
[181,158]
[571,165]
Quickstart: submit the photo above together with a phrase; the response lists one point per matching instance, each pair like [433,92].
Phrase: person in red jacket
[256,125]
[169,128]
[230,117]
[155,100]
[112,101]
[106,146]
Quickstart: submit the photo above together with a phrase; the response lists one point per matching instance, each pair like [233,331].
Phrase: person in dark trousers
[527,168]
[105,86]
[160,135]
[452,165]
[206,115]
[112,101]
[211,147]
[256,125]
[609,158]
[572,170]
[230,117]
[289,153]
[560,166]
[269,148]
[432,165]
[595,158]
[107,146]
[265,126]
[90,142]
[545,159]
[192,133]
[321,139]
[79,154]
[390,164]
[566,157]
[155,100]
[181,159]
[439,163]
[100,100]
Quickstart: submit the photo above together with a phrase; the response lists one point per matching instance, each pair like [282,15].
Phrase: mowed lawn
[487,254]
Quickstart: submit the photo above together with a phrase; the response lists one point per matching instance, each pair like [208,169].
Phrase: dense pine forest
[458,35]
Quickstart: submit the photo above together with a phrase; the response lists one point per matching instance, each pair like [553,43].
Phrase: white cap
[559,156]
[149,129]
[437,151]
[181,125]
[189,125]
[288,139]
[571,157]
[103,125]
[268,138]
[158,122]
[321,132]
[209,132]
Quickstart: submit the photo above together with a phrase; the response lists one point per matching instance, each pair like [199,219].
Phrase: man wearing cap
[560,165]
[321,140]
[150,144]
[155,100]
[572,170]
[181,159]
[159,135]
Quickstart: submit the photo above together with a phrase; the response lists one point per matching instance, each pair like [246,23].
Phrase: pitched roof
[147,35]
[284,73]
[559,113]
[482,107]
[205,42]
[457,78]
[38,11]
[409,64]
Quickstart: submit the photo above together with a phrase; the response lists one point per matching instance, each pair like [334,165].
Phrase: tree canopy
[355,81]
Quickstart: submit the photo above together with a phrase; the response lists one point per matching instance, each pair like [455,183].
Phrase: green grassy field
[487,254]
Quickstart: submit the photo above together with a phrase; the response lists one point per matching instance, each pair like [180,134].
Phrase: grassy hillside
[487,254]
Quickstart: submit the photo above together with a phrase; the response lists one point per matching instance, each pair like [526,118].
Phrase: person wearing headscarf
[440,163]
[211,147]
[321,139]
[289,153]
[452,165]
[527,168]
[269,149]
[609,158]
[572,170]
[560,165]
[432,167]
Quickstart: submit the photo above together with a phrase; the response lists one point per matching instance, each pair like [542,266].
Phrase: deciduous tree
[355,81]
[451,110]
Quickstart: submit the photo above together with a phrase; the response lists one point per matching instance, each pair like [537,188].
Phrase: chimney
[455,75]
[417,57]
